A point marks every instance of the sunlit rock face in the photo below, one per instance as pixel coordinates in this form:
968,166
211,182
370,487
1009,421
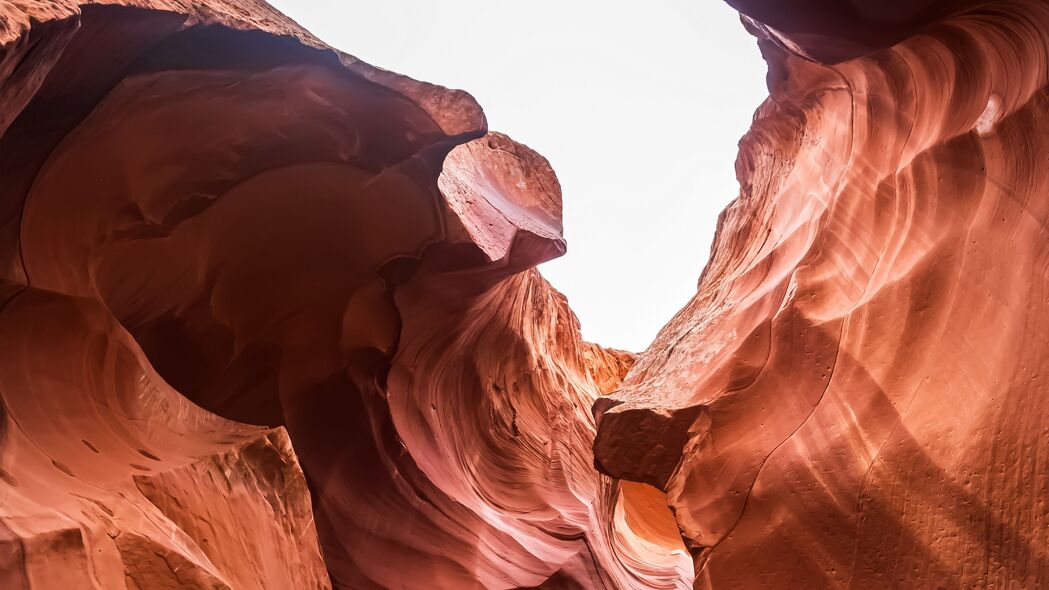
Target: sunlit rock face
270,319
856,395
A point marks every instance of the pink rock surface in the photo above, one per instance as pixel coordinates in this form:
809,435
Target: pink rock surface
85,419
854,397
280,235
269,318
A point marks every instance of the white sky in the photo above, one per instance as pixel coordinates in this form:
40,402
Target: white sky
637,105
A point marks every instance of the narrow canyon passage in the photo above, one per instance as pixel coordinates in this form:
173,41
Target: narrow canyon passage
270,318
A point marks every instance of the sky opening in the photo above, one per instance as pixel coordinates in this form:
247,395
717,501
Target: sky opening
638,106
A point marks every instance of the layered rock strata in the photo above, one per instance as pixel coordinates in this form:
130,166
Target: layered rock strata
855,397
229,251
270,319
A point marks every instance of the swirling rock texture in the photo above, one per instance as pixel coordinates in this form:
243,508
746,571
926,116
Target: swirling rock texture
856,396
270,319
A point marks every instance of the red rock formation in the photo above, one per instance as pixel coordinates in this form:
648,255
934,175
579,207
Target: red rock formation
85,417
208,219
855,397
227,251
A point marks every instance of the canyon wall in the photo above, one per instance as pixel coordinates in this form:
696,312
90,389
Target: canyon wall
856,396
269,318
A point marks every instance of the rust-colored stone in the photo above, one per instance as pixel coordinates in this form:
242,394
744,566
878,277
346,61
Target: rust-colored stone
269,318
860,372
206,212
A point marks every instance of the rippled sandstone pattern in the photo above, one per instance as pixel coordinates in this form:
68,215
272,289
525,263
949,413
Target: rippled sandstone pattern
269,319
856,396
211,221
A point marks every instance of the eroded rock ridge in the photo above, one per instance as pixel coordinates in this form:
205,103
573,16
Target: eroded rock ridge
269,318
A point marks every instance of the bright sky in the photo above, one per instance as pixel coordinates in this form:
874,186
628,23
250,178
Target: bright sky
637,105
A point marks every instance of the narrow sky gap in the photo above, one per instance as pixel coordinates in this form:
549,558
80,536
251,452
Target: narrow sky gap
638,107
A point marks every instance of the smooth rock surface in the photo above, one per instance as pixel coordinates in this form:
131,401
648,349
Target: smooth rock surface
855,397
231,225
269,318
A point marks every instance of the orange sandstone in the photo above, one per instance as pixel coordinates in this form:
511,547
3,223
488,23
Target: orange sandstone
269,318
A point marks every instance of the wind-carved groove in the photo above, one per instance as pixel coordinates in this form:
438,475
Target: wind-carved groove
361,279
952,115
757,472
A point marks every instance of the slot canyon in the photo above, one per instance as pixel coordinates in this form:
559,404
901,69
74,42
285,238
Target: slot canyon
270,319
